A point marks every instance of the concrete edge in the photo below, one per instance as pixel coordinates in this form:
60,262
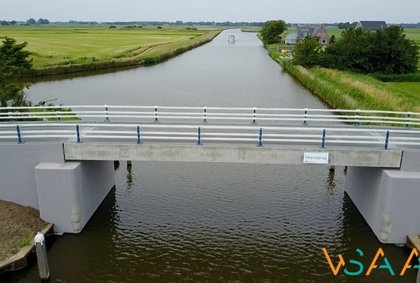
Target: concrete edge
19,260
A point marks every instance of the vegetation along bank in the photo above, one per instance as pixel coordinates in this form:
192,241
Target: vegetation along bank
59,50
360,69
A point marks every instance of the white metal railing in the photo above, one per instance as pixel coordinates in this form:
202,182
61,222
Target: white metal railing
210,134
205,125
145,114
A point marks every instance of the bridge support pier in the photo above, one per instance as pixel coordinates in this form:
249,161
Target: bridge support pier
388,199
69,193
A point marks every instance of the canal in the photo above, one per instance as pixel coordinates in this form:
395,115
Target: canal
202,222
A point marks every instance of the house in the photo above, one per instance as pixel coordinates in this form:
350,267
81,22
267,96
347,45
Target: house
304,31
371,25
291,38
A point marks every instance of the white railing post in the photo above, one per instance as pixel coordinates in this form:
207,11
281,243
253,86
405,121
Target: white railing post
57,113
156,114
9,112
305,116
357,123
106,113
408,120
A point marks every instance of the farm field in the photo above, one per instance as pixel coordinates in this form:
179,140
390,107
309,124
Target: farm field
58,48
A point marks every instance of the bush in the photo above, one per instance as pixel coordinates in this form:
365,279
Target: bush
398,78
385,51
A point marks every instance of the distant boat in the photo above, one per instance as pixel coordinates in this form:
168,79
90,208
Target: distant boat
231,38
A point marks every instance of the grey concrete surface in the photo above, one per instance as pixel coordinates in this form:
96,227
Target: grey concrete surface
229,153
17,163
388,200
70,193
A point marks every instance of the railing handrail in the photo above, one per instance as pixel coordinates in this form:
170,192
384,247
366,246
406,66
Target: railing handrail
203,114
105,123
210,108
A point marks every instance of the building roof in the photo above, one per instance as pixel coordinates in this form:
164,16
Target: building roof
292,36
304,31
373,25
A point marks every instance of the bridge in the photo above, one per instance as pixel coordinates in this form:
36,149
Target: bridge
78,143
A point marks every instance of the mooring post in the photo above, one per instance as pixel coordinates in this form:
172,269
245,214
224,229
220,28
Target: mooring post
41,256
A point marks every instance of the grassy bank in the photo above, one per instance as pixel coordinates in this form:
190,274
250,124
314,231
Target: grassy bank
58,50
348,90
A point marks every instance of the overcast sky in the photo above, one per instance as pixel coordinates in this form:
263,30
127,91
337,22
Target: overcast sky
216,10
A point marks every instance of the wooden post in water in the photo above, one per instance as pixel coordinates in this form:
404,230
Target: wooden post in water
41,256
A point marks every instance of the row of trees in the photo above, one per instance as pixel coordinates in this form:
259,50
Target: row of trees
14,63
40,21
385,51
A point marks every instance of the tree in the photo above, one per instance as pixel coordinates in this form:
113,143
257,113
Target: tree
351,51
31,21
307,52
392,52
272,30
42,21
384,51
14,62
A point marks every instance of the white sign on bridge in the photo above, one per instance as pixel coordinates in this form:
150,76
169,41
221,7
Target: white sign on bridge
316,157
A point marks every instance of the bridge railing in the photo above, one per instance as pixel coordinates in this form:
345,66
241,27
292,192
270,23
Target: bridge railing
197,115
209,134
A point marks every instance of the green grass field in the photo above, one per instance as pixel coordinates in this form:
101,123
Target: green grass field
55,47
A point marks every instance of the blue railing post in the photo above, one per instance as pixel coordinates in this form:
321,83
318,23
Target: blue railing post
254,121
138,135
78,133
19,134
305,116
324,136
156,115
106,113
408,120
199,140
387,140
260,143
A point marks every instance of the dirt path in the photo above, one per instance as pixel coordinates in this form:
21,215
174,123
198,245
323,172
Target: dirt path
18,224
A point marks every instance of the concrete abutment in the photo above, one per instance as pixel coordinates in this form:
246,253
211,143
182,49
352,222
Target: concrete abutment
388,199
69,193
